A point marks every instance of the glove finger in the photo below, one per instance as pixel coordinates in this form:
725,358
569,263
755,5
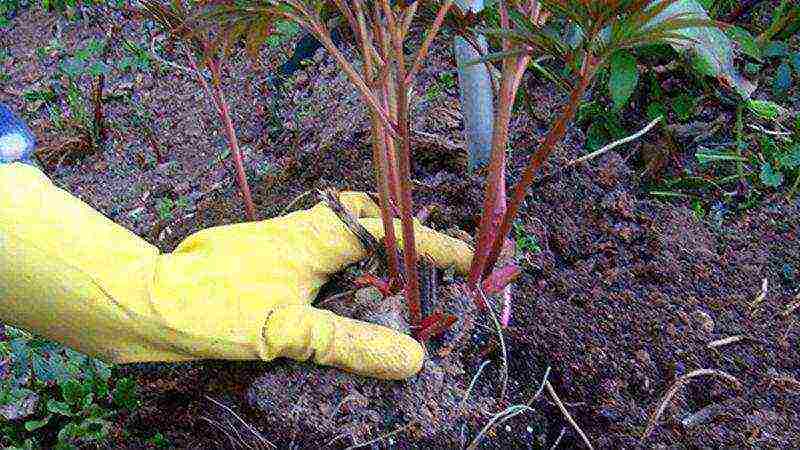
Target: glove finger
303,332
359,204
445,250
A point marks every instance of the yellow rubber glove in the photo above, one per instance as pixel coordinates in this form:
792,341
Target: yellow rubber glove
233,292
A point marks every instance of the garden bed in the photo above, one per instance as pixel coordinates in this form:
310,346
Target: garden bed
622,294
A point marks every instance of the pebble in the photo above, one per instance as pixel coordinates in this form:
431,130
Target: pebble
705,320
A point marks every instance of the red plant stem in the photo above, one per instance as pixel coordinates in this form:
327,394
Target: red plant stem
383,172
371,280
499,279
404,173
494,197
432,32
233,142
554,136
391,151
382,175
99,122
434,325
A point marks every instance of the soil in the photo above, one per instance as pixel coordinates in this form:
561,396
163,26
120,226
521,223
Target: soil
625,295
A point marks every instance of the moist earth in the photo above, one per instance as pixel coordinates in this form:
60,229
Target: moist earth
622,295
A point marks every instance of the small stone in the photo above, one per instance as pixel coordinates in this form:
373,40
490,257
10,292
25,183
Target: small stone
705,321
643,357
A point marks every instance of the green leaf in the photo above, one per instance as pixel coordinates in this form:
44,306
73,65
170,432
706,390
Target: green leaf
42,369
57,407
791,160
102,370
95,46
683,105
766,109
770,177
125,394
656,109
708,44
776,49
99,68
87,401
73,392
746,41
623,79
704,156
783,79
73,67
20,357
32,425
795,59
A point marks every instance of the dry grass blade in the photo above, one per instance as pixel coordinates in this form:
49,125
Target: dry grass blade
726,341
261,439
509,412
567,415
616,144
761,295
286,209
380,438
471,385
651,425
499,330
558,439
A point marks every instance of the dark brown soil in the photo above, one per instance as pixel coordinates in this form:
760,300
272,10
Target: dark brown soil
623,297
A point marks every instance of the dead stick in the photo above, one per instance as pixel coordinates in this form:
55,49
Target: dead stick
567,415
615,144
651,425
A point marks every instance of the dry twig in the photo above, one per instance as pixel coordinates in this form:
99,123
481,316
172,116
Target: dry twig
674,389
567,415
615,144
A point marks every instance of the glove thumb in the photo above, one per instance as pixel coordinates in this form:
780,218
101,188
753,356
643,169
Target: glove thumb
301,332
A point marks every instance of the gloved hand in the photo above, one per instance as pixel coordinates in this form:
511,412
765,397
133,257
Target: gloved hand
233,292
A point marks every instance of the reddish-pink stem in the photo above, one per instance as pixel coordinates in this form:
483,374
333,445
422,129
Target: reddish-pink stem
233,142
555,135
382,175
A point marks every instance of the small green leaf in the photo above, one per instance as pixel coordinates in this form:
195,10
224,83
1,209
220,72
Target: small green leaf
746,41
99,68
656,109
87,401
125,394
73,392
57,407
791,160
752,68
770,177
683,105
623,78
766,109
73,67
704,156
783,79
32,425
776,49
795,59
